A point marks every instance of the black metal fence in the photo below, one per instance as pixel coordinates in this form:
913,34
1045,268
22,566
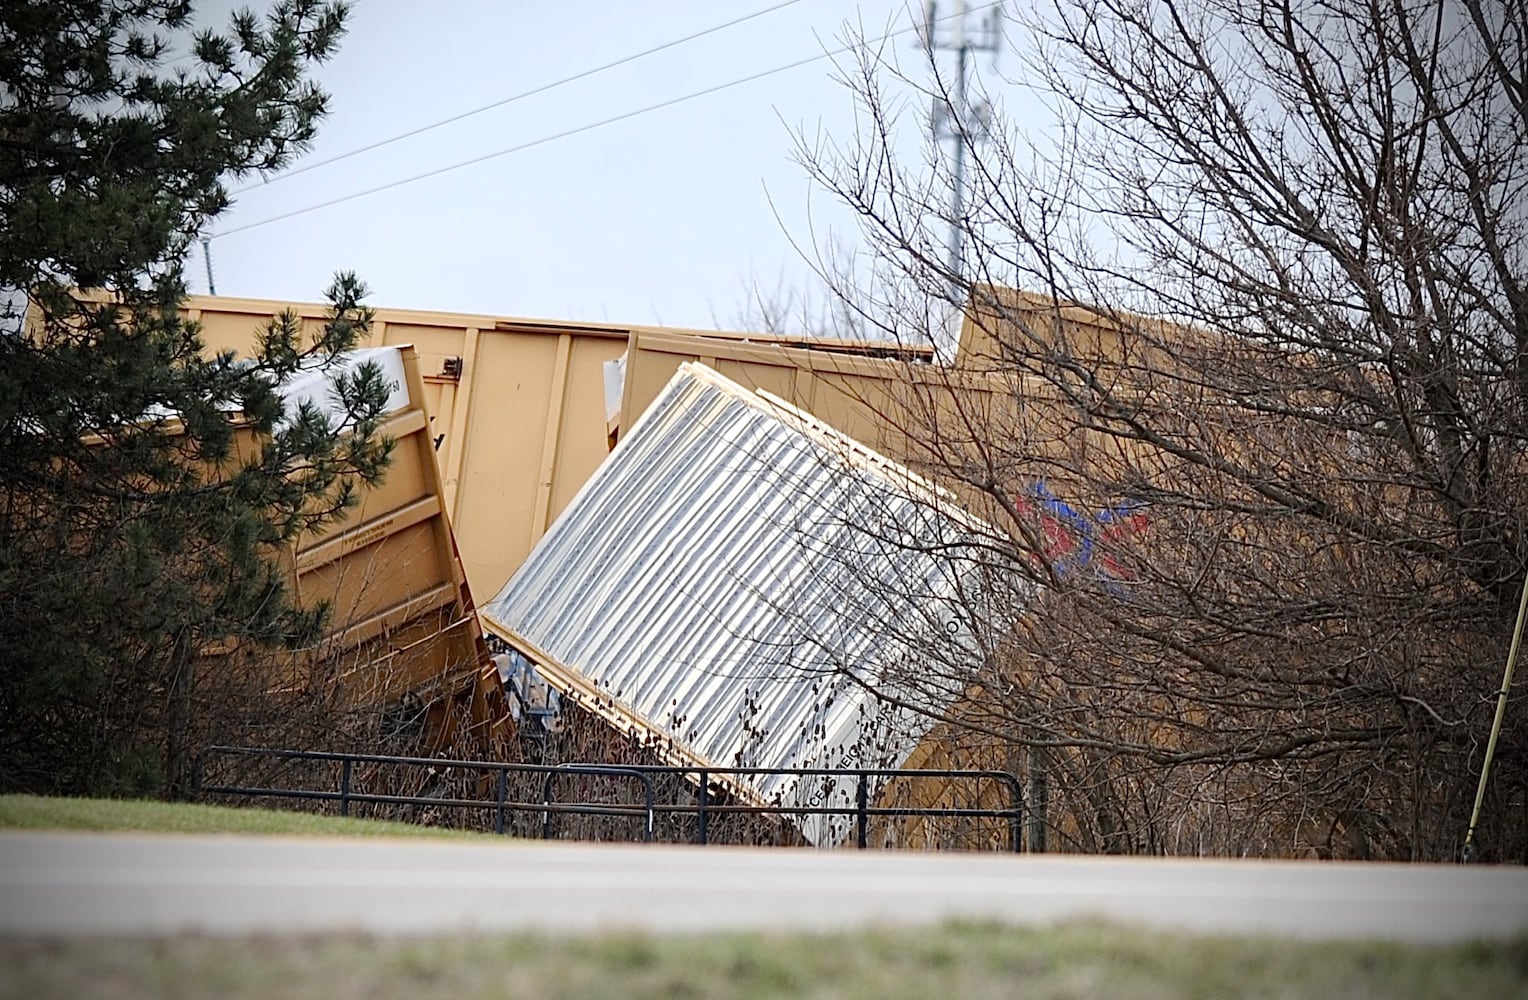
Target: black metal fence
497,791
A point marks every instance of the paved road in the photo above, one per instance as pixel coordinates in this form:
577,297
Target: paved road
112,883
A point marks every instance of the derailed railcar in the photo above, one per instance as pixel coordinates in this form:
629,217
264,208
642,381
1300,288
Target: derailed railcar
753,589
403,636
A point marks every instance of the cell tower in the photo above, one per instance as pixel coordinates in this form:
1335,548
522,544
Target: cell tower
212,288
956,118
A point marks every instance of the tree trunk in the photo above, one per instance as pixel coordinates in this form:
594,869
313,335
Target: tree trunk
178,736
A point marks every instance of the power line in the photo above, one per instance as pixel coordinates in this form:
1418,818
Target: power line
520,147
512,99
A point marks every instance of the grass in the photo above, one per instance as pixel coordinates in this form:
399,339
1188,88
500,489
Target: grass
32,812
954,961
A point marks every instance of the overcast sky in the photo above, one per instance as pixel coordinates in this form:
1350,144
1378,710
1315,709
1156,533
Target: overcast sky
667,217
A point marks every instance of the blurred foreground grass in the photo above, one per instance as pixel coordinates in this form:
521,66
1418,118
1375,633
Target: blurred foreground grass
952,962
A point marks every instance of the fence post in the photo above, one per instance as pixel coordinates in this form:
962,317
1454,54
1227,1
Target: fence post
701,818
1038,798
503,793
647,826
861,803
1016,814
345,786
546,803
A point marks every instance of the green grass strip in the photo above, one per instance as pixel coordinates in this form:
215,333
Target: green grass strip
33,812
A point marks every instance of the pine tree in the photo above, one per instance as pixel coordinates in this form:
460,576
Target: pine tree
136,531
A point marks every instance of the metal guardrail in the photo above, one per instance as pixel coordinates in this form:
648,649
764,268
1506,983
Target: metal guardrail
704,809
861,811
345,795
560,769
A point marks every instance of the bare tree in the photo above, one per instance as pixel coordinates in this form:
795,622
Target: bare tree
1256,428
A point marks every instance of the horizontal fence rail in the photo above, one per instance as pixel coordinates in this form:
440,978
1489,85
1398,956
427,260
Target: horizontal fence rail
707,805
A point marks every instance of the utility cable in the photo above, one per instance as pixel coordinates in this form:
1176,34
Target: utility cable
1501,711
520,147
511,99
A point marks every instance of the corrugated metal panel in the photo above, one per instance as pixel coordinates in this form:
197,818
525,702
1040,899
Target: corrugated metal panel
733,576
